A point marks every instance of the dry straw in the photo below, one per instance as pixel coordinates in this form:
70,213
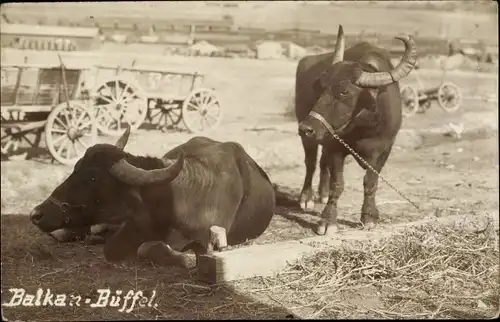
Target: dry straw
429,272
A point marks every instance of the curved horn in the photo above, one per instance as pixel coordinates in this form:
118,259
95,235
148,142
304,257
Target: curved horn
135,176
400,71
338,56
122,141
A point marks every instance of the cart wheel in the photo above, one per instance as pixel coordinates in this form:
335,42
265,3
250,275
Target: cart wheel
425,106
119,102
449,97
70,131
409,97
201,111
165,114
10,144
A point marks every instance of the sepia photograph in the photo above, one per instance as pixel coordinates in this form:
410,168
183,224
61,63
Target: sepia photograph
278,160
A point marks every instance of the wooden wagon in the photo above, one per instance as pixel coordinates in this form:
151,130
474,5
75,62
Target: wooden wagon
417,99
44,99
161,97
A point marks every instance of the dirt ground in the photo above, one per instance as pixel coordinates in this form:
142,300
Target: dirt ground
444,175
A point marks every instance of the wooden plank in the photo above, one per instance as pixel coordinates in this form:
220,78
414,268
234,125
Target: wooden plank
267,260
25,127
26,108
165,96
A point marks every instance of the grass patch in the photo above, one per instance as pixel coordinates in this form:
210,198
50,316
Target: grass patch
32,260
429,272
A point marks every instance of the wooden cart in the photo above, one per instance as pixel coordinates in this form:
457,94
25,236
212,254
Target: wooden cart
44,98
418,99
164,98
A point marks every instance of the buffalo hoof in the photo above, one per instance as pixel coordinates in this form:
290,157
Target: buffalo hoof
177,258
324,200
369,222
307,205
63,235
325,228
98,229
161,254
369,225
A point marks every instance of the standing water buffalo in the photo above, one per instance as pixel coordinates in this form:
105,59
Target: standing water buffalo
355,95
197,185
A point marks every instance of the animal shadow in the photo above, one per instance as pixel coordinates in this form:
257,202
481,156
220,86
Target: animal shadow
288,198
350,224
28,153
297,218
288,207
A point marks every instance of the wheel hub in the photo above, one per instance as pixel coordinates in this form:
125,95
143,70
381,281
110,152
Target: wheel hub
73,133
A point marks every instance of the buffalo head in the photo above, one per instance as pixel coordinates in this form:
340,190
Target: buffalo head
103,183
346,89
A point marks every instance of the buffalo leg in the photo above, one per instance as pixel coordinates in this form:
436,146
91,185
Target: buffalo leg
324,177
65,235
311,156
369,210
162,254
328,222
100,233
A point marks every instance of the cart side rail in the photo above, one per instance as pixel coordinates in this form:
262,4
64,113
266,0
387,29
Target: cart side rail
148,70
42,66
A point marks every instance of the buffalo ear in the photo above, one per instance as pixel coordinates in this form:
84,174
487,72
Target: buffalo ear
368,100
123,243
321,83
133,231
318,86
140,215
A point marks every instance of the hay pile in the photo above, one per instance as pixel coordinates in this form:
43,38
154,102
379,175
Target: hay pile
430,272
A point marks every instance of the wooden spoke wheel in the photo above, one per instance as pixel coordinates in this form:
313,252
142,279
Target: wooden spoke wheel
13,137
449,97
201,111
409,98
119,102
165,114
10,143
425,106
70,131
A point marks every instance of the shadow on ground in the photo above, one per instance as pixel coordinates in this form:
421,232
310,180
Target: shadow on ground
32,260
289,208
39,154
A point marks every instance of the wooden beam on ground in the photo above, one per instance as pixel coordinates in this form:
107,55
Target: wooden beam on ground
267,260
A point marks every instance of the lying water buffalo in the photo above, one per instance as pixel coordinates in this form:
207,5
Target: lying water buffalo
197,185
355,95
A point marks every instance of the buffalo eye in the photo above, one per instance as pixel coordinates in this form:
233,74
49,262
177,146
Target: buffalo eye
344,92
